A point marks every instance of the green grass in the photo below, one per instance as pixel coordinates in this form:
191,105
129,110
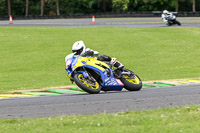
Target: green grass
173,120
33,57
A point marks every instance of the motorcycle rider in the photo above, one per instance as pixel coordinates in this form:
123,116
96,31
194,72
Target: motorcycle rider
165,15
79,48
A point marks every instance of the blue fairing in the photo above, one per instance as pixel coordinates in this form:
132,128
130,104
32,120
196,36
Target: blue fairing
70,67
108,84
84,73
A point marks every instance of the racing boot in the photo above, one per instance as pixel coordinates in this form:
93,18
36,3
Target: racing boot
116,64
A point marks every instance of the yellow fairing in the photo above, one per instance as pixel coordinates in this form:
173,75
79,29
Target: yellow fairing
90,61
69,75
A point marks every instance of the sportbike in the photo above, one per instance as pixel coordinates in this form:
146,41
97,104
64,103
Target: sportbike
171,20
93,76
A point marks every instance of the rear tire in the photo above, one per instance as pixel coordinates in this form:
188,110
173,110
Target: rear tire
87,85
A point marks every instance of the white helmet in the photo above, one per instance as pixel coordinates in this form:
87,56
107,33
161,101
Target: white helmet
165,12
78,47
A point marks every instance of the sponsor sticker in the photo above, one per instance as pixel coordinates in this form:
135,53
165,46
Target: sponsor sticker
68,62
111,81
119,82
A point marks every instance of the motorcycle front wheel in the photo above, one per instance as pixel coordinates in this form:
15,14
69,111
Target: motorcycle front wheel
131,82
177,22
87,85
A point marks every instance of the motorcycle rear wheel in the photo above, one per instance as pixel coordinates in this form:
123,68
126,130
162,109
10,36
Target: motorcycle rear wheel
132,83
86,84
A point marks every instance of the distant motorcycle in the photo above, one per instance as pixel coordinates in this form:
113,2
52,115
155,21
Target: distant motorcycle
171,20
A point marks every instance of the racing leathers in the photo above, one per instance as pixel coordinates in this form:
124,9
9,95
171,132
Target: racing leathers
104,58
166,16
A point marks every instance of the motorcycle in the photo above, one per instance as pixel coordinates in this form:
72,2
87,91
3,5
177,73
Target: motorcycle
93,76
171,20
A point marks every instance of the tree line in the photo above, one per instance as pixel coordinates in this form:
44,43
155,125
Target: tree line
74,7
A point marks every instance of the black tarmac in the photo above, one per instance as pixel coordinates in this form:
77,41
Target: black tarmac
102,22
109,102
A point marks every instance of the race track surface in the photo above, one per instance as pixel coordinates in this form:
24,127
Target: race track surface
108,102
103,22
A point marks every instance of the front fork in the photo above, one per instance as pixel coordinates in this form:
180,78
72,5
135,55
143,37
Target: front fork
87,75
119,73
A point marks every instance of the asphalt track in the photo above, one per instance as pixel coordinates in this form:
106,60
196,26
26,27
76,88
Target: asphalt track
103,22
109,102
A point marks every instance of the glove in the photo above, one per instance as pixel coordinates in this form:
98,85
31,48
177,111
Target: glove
104,58
88,53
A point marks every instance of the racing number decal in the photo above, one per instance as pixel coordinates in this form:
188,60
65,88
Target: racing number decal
68,62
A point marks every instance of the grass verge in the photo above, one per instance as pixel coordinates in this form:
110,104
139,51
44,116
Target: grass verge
170,120
33,57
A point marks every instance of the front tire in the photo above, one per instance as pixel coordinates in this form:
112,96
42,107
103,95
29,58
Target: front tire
132,83
87,85
178,23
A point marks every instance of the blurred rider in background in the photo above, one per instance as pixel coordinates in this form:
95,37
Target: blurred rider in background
80,49
165,15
